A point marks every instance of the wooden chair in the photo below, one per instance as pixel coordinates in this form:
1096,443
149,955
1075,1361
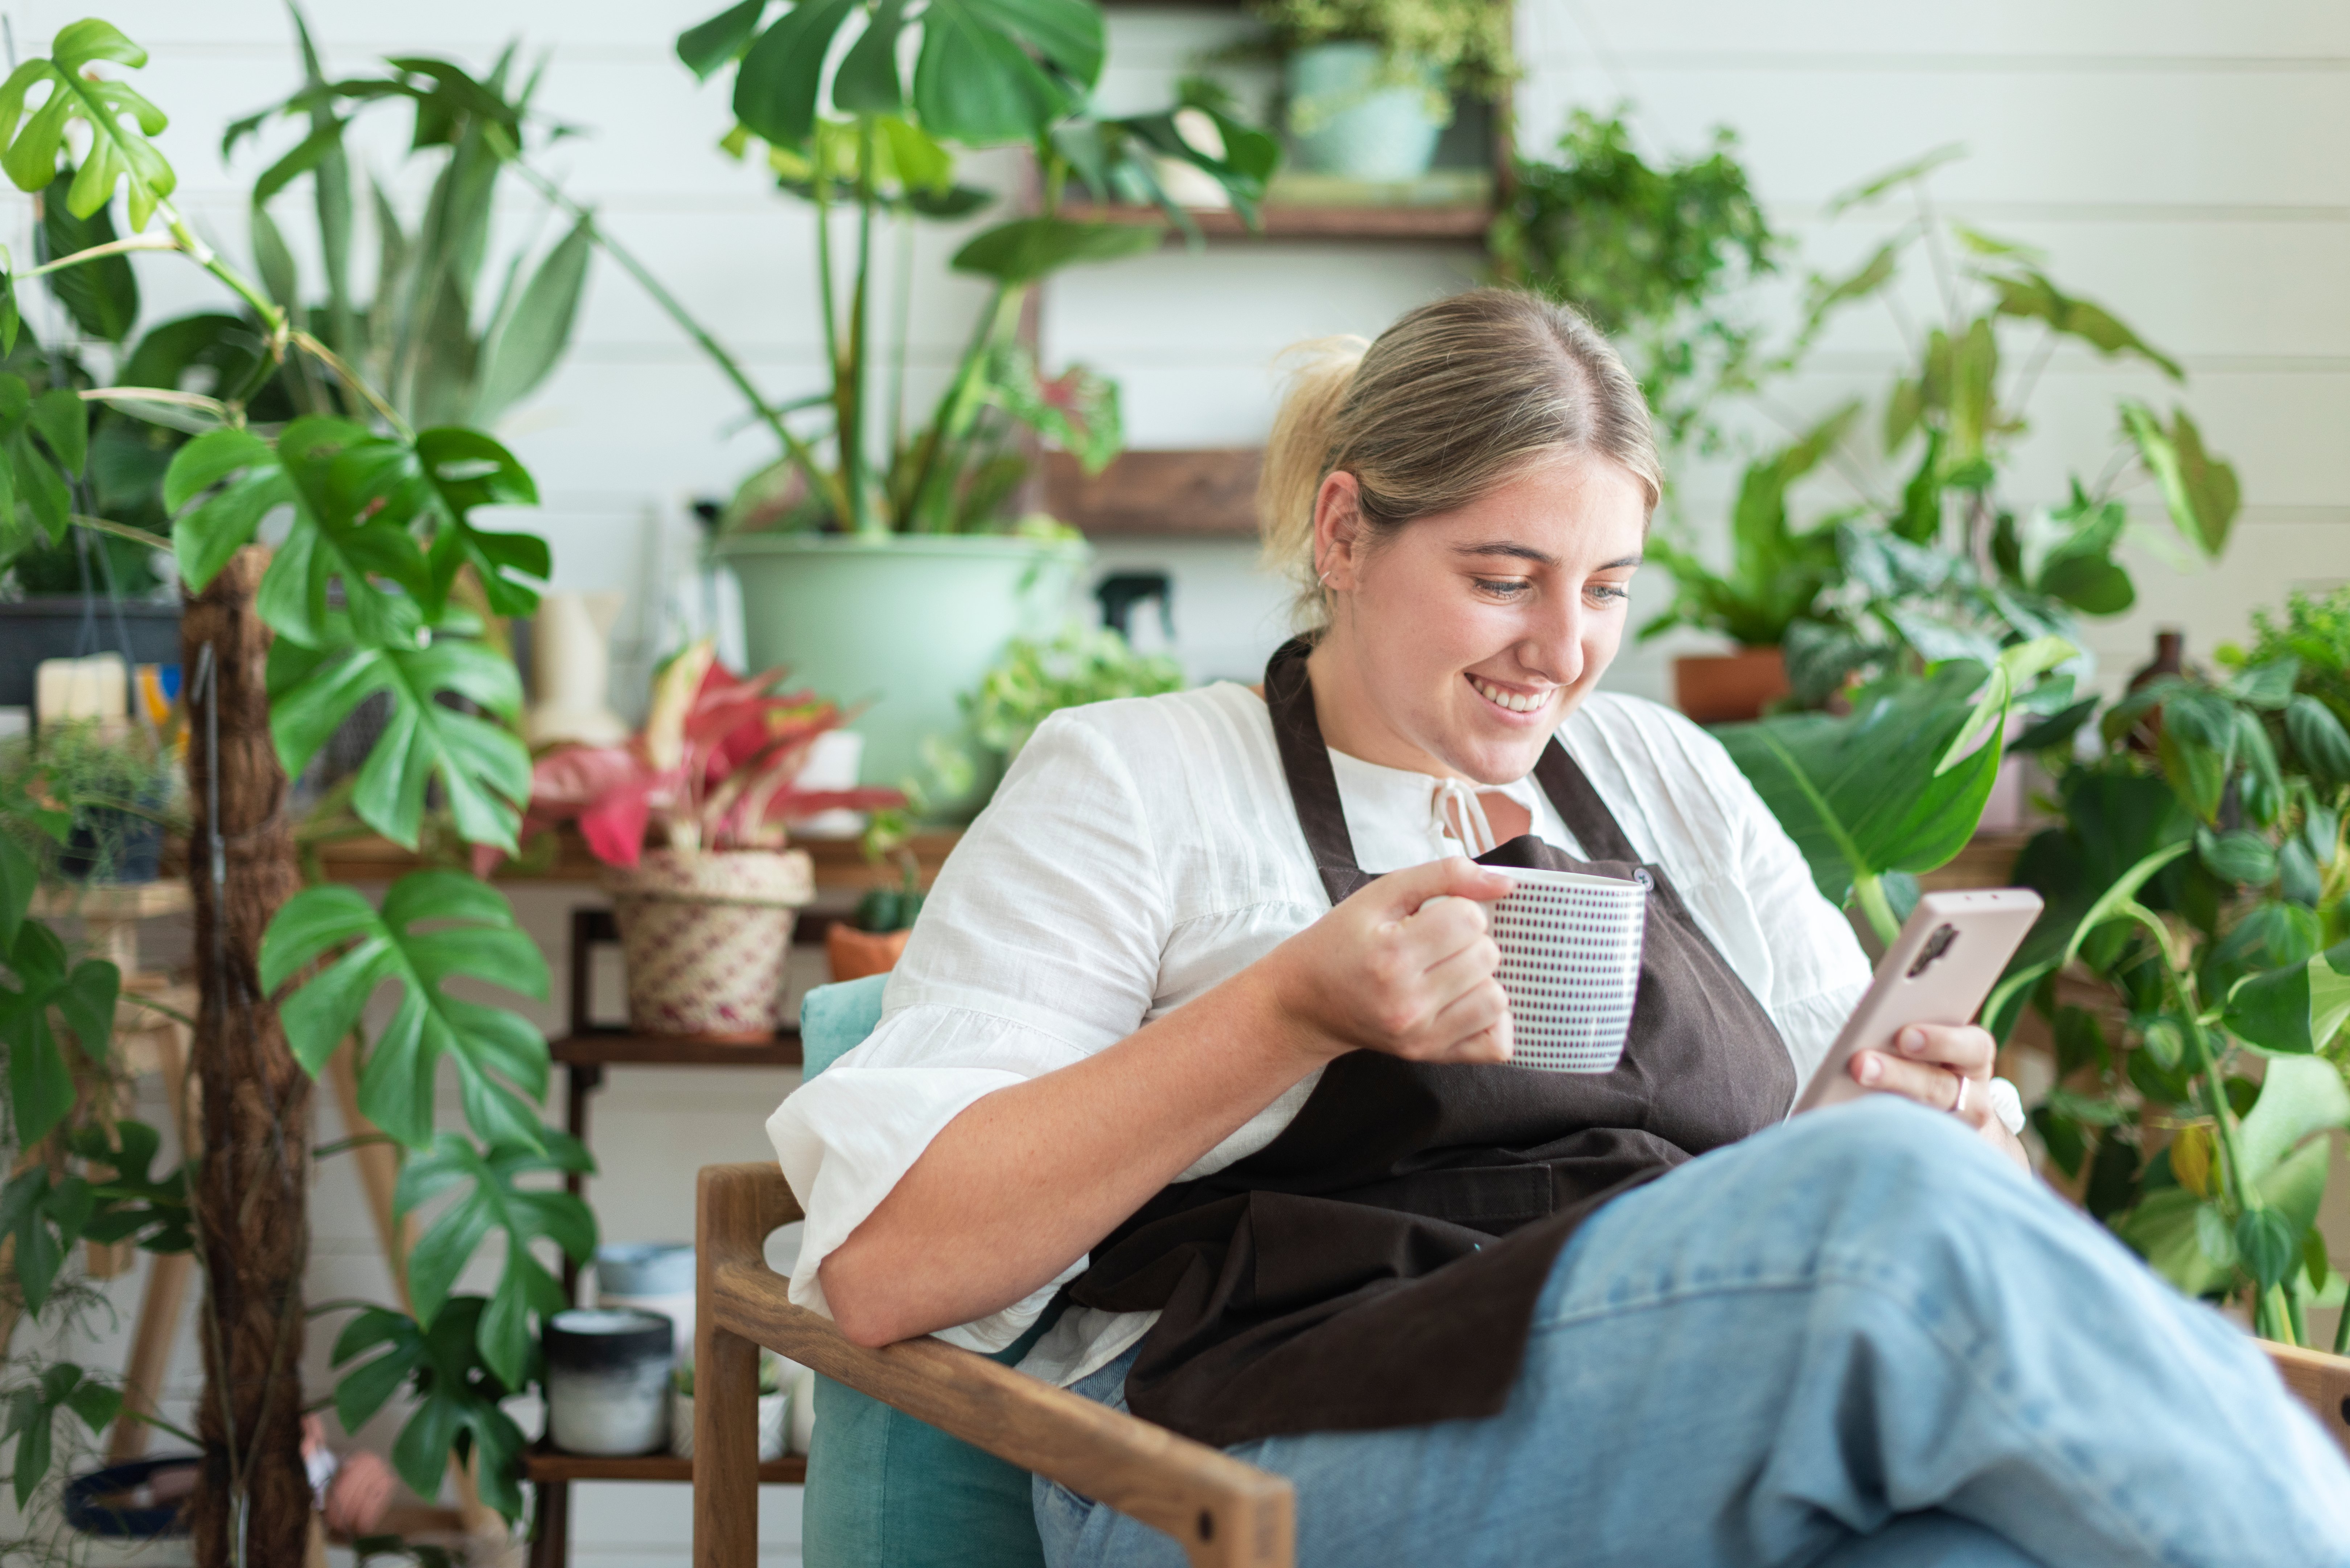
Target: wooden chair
1226,1515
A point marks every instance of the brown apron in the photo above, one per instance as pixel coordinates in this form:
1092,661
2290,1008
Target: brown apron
1378,1263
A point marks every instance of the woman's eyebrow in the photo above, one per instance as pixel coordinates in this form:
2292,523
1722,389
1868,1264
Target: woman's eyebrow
1540,557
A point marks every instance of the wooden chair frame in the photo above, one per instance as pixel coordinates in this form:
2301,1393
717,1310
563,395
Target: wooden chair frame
1224,1513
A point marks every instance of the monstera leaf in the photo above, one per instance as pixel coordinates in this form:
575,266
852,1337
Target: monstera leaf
119,151
472,932
457,1397
1896,787
496,1203
987,72
484,769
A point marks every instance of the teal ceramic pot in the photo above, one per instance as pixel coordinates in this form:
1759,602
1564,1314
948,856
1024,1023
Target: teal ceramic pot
900,626
1342,122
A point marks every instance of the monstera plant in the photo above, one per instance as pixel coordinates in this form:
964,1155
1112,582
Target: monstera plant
374,592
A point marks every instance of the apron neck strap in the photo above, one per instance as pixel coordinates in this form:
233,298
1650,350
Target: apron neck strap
1305,761
1579,806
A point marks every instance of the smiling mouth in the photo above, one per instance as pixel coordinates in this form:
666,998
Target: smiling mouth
1510,701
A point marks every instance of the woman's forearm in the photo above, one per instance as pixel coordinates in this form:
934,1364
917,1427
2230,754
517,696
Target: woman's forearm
1029,1178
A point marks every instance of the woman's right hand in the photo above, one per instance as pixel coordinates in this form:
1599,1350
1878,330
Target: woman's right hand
1405,966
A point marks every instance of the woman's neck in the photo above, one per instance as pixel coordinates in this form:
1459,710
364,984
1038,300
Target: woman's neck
1352,720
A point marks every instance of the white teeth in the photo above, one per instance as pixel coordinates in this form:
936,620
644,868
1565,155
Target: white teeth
1514,702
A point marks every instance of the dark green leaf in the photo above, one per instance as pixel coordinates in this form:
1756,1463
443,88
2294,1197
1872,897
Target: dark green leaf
1862,794
1027,249
867,81
482,767
2239,858
472,932
709,45
494,1203
2297,1009
206,535
976,80
2266,1245
776,86
62,419
2318,736
101,295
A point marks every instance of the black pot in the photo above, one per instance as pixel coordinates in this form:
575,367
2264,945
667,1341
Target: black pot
87,1508
38,628
138,846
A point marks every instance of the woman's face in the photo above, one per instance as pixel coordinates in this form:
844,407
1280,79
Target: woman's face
1462,640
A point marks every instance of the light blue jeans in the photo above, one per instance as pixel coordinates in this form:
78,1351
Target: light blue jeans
1859,1340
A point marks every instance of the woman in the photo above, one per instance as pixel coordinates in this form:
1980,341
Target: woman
1194,1074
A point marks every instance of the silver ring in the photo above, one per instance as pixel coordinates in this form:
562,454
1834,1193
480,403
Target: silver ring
1959,1105
2007,1104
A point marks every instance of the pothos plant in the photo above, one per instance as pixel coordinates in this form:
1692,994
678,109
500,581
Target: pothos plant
367,595
2193,966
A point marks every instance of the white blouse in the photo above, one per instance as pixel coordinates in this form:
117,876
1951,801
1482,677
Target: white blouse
1142,851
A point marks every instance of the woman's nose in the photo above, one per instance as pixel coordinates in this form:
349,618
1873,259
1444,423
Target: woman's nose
1555,648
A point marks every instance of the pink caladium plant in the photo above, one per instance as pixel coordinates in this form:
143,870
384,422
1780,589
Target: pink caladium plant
714,768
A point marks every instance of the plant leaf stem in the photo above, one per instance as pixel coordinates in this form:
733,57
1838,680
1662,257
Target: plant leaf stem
853,368
2272,1318
959,405
149,241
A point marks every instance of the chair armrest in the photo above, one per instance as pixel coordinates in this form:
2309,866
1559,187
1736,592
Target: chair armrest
2320,1381
1222,1512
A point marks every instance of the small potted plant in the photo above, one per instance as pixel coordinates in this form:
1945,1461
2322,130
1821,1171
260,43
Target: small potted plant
119,784
688,820
1370,83
1777,577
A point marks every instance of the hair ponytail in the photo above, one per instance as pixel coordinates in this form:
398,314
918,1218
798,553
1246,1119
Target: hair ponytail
1454,399
1319,373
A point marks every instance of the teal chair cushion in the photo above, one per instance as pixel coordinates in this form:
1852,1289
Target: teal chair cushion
885,1491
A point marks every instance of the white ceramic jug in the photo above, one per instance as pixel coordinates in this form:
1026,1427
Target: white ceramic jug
571,668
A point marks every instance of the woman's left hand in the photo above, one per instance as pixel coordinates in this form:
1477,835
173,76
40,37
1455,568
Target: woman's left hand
1944,1067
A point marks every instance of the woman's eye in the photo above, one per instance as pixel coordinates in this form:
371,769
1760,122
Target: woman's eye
1607,593
1503,588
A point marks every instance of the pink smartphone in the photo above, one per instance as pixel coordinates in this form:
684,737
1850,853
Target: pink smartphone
1939,969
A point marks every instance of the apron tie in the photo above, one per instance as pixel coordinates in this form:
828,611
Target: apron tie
1460,815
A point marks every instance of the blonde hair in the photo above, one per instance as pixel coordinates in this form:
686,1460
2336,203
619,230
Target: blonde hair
1454,399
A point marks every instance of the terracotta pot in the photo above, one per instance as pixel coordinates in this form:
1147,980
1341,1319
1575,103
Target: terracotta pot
853,954
705,935
1729,688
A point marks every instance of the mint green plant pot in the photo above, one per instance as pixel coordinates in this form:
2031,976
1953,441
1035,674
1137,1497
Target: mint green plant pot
900,626
1342,122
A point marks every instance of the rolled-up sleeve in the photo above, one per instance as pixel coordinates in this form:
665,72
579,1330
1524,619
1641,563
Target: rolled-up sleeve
1039,945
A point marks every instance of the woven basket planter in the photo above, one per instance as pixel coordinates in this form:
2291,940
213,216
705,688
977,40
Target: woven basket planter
705,935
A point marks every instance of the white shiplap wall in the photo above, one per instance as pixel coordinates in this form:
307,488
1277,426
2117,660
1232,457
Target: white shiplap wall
2180,161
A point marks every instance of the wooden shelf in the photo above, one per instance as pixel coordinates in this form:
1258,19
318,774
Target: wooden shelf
541,1463
840,864
1295,221
1206,493
115,900
620,1048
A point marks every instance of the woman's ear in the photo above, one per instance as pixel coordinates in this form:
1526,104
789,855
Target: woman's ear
1337,529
